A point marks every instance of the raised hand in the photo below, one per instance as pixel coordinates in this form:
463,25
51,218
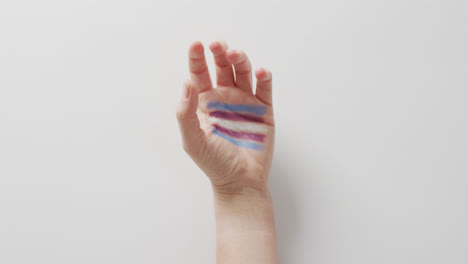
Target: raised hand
228,130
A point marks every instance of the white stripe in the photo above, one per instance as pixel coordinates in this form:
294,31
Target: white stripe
240,125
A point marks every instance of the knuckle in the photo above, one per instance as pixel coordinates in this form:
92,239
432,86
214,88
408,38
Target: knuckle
180,114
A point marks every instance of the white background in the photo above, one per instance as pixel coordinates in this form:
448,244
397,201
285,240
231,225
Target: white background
371,160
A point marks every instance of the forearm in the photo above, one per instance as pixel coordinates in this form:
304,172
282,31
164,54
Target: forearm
245,227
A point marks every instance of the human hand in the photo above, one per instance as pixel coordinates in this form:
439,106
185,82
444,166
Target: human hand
228,130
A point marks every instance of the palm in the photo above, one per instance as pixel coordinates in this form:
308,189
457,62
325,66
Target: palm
237,144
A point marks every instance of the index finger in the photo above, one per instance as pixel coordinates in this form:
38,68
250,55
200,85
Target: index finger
198,68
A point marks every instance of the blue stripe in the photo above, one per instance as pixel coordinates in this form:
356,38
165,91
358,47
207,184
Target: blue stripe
240,143
253,109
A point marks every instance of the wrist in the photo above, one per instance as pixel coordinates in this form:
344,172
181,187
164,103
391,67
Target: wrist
245,226
245,210
241,189
242,184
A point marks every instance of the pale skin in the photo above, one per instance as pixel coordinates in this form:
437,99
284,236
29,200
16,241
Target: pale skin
245,224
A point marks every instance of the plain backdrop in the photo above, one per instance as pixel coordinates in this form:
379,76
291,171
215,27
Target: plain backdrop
371,158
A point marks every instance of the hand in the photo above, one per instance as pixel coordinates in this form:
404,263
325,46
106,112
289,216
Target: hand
228,130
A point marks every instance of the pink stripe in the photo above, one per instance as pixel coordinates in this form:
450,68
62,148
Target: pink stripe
236,116
239,134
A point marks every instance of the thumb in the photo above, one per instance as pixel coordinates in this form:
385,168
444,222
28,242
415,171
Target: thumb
193,137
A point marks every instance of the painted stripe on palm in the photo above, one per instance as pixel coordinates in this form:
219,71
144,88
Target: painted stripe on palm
240,134
258,110
242,125
240,143
236,116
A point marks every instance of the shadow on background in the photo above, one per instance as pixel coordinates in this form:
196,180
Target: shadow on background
285,185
